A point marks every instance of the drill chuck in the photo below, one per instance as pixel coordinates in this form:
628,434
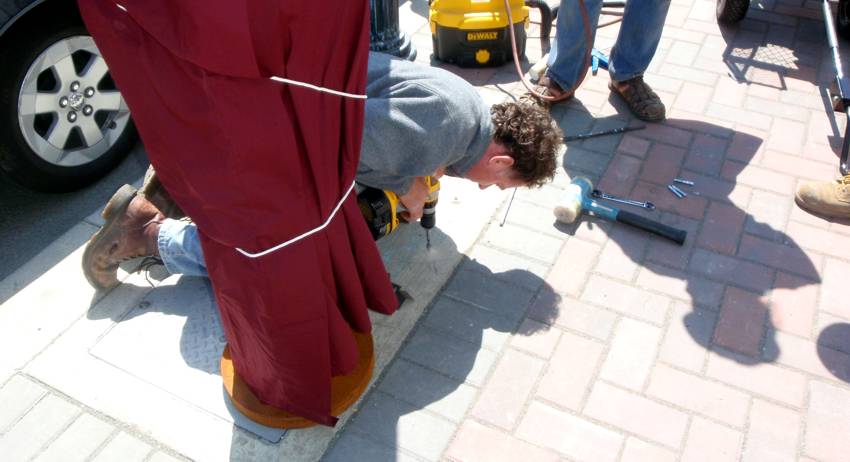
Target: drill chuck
429,217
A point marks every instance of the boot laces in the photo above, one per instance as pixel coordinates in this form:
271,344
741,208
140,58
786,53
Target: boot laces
146,264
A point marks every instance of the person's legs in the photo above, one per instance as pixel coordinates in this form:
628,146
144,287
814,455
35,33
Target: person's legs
640,32
180,248
566,57
643,21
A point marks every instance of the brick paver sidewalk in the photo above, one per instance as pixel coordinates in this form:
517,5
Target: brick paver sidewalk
590,342
595,342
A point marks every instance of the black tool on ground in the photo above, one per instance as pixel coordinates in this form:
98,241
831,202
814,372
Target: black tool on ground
613,131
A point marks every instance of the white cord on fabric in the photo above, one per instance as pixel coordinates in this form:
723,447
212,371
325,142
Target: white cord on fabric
298,238
317,88
344,197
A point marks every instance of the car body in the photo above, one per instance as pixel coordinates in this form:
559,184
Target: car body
63,122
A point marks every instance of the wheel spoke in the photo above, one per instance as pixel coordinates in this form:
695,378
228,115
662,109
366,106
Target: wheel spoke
59,133
91,131
37,103
95,70
65,71
106,101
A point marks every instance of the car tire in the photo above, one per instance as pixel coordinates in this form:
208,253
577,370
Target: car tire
40,146
731,11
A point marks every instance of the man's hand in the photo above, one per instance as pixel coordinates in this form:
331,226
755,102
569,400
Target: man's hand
414,199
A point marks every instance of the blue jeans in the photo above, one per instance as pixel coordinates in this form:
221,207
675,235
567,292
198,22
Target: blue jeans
180,248
636,43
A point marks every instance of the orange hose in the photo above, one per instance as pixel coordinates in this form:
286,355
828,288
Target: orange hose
587,55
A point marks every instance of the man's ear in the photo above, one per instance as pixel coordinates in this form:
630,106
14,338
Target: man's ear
502,161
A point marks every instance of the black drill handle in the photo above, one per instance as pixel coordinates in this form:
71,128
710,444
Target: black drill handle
674,234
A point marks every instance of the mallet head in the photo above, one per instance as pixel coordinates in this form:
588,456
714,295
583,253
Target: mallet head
573,200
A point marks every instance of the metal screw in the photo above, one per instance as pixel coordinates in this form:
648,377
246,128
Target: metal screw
89,92
681,181
676,191
87,110
63,102
72,116
75,86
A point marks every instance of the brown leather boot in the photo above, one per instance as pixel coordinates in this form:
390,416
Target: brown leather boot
130,231
153,191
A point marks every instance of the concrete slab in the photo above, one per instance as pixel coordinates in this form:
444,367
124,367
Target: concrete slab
149,356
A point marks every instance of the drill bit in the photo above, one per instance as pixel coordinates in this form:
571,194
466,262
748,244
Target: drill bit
508,208
428,239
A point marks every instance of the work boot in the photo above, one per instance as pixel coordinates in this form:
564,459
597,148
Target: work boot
644,103
130,231
828,198
153,191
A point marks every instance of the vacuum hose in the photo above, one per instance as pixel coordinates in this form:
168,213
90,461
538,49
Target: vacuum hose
545,16
587,55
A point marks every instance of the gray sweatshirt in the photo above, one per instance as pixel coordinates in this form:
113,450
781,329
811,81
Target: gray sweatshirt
419,118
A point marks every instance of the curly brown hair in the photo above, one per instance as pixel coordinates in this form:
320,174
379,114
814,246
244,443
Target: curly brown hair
532,138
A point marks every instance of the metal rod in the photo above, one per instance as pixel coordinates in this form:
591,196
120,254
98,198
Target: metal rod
613,131
676,192
679,191
508,209
842,166
840,82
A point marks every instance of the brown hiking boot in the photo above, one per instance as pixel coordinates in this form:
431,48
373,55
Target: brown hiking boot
153,191
130,231
644,103
829,198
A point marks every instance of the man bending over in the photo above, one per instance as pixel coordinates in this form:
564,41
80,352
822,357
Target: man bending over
419,121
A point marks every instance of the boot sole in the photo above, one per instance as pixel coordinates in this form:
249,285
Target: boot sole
115,208
838,212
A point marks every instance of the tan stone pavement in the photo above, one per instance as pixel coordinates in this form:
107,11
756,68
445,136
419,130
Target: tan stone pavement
625,347
589,342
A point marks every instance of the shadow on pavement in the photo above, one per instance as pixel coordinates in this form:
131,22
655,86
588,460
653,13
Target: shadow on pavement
455,342
835,337
451,351
732,263
778,57
30,221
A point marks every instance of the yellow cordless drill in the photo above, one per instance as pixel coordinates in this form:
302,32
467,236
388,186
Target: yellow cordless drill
381,209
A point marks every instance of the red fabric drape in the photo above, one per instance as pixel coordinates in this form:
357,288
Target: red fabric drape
254,163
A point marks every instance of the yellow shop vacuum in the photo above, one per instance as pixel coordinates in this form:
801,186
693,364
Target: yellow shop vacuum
474,33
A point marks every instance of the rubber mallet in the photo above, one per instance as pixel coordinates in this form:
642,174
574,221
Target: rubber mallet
577,200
